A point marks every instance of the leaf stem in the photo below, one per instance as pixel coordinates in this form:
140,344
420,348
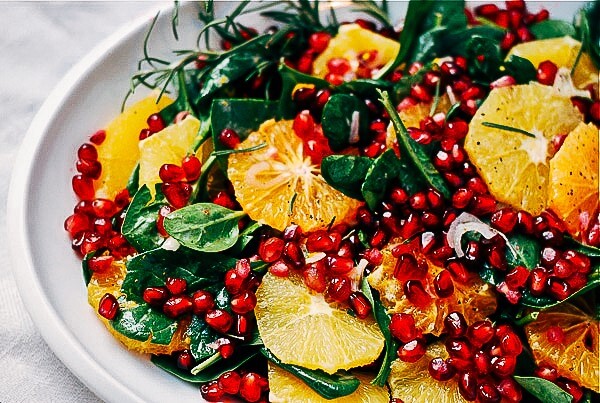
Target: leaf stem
206,363
436,99
509,129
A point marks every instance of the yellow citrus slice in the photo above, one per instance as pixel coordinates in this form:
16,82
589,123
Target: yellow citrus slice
412,383
110,282
576,358
285,387
301,328
475,299
169,146
573,186
118,154
350,41
562,52
276,185
514,165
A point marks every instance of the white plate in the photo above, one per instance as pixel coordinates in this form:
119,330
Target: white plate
48,273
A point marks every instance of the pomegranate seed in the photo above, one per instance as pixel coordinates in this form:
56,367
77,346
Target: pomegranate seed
243,303
314,276
504,366
144,134
271,249
338,66
418,201
555,335
108,306
223,199
483,205
155,123
504,81
595,112
563,269
459,348
443,284
304,95
472,252
412,226
459,364
100,264
455,324
412,351
406,103
461,198
558,289
549,257
243,325
171,173
155,296
226,350
467,385
104,208
319,41
487,10
510,390
360,304
252,386
87,152
537,281
578,260
421,93
77,223
185,360
90,169
293,254
321,99
546,372
234,281
450,69
219,320
458,271
497,257
402,327
440,370
191,166
482,362
177,194
175,307
487,392
98,137
230,382
517,277
504,220
339,289
280,268
416,294
573,389
524,34
175,285
408,268
304,125
456,129
373,256
480,332
229,138
92,242
211,392
83,187
509,342
340,265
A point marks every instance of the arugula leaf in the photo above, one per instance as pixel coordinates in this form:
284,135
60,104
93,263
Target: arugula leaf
151,269
340,114
142,323
346,173
382,172
205,227
412,154
552,29
544,390
328,386
139,225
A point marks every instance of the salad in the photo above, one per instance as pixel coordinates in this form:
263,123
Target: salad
355,210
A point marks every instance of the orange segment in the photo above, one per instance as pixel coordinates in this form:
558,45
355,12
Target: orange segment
578,357
412,383
475,299
573,187
514,165
301,328
110,282
276,185
118,154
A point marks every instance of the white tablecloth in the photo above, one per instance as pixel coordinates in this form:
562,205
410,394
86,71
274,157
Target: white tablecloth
39,42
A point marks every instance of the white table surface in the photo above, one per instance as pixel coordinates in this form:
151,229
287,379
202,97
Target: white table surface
39,43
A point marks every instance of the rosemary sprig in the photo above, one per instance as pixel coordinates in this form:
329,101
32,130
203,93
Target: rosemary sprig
508,129
379,12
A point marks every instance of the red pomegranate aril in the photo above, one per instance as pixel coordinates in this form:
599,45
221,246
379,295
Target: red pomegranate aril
482,361
293,253
483,205
525,222
443,284
360,304
402,327
472,252
421,93
558,289
223,199
412,351
144,134
338,65
373,256
418,201
379,239
504,366
473,92
497,257
420,136
77,223
406,103
459,364
440,370
549,257
339,289
98,137
334,79
211,392
87,152
504,220
177,194
108,306
538,278
487,393
504,81
555,335
459,348
104,208
450,69
251,387
412,226
176,285
321,98
280,268
434,199
319,241
546,372
103,226
441,254
243,303
416,294
314,276
595,112
304,125
563,269
185,360
580,261
177,306
524,34
510,390
271,249
305,62
467,385
233,281
319,41
455,324
243,325
546,72
155,296
229,138
83,187
408,268
461,198
340,265
155,123
92,241
456,129
480,332
192,167
459,271
230,382
90,169
510,343
219,320
100,264
517,277
171,173
488,11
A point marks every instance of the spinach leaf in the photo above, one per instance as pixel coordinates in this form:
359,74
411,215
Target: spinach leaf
544,390
133,183
588,250
552,29
486,63
382,172
205,227
201,335
87,273
211,373
522,250
328,386
142,323
366,88
346,173
491,275
521,69
391,345
413,155
290,78
139,225
343,114
590,31
245,237
151,269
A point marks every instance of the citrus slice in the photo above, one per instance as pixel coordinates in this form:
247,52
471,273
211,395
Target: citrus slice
475,299
285,387
411,382
573,188
352,40
515,165
168,146
110,282
562,52
577,358
118,154
301,328
276,185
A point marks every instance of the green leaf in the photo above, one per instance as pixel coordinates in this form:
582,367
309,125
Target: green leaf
382,172
245,237
552,29
87,273
290,78
201,335
522,250
346,173
418,166
143,323
590,251
211,373
590,30
134,180
326,385
151,269
521,69
544,390
491,275
342,114
205,227
139,225
366,88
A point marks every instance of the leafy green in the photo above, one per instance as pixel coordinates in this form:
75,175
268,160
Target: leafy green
205,227
544,390
346,173
134,180
522,70
589,30
522,250
340,114
577,246
552,29
201,335
486,63
382,172
245,237
290,78
139,225
142,323
87,273
328,386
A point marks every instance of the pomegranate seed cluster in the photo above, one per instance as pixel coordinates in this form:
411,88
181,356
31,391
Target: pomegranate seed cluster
250,386
176,181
